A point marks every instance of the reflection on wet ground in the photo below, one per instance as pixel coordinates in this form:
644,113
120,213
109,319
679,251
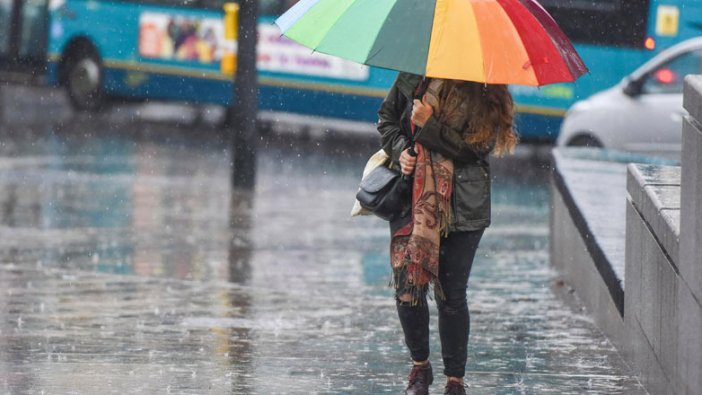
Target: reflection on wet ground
128,265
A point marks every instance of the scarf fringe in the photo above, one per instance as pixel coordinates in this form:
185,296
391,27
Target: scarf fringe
417,292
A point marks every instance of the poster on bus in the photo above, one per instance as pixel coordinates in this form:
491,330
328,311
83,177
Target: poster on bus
180,38
174,37
281,55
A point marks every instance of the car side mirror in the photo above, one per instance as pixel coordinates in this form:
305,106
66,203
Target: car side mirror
633,87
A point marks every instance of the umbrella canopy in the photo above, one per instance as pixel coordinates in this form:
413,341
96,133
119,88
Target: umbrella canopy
490,41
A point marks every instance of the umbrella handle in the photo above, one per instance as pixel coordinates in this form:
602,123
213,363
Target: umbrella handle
411,151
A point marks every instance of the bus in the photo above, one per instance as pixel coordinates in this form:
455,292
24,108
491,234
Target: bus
177,50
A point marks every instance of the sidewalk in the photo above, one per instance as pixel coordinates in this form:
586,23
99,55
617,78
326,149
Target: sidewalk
120,273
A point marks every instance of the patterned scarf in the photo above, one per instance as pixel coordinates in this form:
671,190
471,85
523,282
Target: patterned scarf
415,246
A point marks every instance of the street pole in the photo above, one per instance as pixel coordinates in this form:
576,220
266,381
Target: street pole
244,108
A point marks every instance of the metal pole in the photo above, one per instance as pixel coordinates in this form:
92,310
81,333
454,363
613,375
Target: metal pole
244,109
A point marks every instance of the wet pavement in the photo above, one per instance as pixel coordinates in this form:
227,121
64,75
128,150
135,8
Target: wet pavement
129,265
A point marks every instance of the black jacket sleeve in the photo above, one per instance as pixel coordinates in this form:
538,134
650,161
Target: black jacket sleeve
392,138
449,142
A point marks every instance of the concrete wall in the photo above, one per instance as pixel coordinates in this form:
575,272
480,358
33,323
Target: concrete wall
650,306
689,292
663,313
577,267
660,332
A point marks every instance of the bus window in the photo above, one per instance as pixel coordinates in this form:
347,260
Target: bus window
34,24
213,4
171,3
618,23
265,7
178,3
5,26
273,7
287,4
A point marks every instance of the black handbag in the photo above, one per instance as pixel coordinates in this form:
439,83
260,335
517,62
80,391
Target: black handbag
386,192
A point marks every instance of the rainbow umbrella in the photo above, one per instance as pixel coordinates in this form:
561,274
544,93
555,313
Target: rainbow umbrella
490,41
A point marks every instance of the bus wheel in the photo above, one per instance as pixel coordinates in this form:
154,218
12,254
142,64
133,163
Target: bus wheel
83,81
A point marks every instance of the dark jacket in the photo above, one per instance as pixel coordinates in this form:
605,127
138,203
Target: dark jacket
470,202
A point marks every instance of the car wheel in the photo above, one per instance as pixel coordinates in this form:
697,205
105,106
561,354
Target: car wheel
585,141
83,80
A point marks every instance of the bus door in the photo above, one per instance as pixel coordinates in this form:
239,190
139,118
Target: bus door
24,26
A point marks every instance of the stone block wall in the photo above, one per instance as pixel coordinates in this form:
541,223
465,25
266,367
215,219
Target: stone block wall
650,306
656,319
689,292
663,293
577,267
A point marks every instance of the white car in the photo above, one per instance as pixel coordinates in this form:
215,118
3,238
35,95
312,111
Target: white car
641,114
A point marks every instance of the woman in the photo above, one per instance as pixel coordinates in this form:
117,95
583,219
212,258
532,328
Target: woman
455,126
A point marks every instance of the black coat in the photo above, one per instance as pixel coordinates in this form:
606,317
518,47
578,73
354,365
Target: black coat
470,201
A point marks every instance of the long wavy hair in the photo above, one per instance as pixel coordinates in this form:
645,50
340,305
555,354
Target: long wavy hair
491,124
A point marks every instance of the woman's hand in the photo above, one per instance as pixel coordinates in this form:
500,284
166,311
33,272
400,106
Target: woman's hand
421,112
407,162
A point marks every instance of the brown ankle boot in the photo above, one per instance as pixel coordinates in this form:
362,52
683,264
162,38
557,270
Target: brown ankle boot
420,378
454,388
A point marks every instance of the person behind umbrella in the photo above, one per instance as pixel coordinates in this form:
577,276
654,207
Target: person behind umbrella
456,124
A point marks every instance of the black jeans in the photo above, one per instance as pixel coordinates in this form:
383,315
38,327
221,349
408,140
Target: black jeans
456,259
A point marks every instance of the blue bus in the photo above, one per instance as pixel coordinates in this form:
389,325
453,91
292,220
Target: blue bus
178,50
